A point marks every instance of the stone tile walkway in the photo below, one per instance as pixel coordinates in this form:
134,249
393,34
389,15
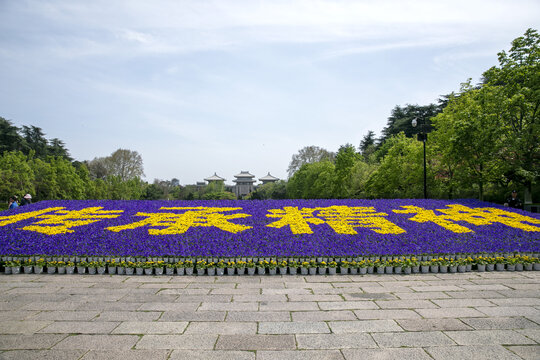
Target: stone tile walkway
426,316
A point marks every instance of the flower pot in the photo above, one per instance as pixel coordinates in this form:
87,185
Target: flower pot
388,269
70,270
462,268
188,271
148,271
241,271
353,271
272,271
490,267
211,271
180,271
322,271
15,270
38,269
158,271
332,271
169,271
415,269
407,270
364,270
312,271
92,270
251,271
443,269
130,271
528,267
511,267
343,270
519,267
220,271
481,267
283,270
62,270
293,270
261,270
468,267
28,269
111,270
200,272
424,269
304,271
139,271
230,271
397,270
536,267
452,269
499,267
101,270
370,269
434,268
80,270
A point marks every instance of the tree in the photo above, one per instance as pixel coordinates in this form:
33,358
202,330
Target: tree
518,77
125,164
368,145
312,181
9,136
16,175
272,190
345,159
34,139
308,155
57,147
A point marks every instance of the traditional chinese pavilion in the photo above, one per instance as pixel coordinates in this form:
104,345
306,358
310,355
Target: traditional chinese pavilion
268,179
214,178
244,183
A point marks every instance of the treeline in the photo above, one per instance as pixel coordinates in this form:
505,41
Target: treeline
482,141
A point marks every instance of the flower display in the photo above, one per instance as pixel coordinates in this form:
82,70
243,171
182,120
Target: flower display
271,228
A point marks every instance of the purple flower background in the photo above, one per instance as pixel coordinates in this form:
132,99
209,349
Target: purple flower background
261,240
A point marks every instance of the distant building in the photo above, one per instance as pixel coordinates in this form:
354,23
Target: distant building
214,178
268,179
244,184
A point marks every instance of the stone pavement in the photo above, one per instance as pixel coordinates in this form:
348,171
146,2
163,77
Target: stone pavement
425,316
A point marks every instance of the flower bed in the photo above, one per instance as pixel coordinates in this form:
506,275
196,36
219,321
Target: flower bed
266,229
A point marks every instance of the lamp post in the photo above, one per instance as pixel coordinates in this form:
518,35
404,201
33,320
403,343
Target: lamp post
422,136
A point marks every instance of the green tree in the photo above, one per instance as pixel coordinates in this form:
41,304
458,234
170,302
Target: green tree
16,175
368,145
34,140
345,160
308,155
9,136
312,181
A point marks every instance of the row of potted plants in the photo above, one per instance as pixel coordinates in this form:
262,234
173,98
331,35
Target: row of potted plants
403,265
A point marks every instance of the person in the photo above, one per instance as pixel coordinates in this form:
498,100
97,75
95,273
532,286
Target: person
13,202
513,201
27,199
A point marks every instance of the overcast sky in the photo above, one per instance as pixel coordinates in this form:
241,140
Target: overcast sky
202,86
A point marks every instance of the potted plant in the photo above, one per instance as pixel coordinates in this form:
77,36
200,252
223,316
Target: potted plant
406,265
481,263
304,268
28,266
70,267
61,266
201,267
111,266
272,265
220,268
211,268
261,267
14,266
500,263
81,267
250,265
322,266
180,267
344,267
101,267
293,267
240,267
92,266
158,267
283,267
188,265
443,264
511,263
397,266
38,267
332,265
388,266
424,266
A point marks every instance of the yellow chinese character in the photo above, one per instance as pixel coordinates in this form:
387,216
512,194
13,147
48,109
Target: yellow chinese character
61,221
475,216
342,219
6,220
295,218
192,217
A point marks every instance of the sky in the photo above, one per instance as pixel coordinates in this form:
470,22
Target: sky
224,86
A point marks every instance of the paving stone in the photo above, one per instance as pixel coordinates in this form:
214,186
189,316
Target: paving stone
300,354
406,304
193,342
209,355
516,302
494,287
193,316
256,342
531,352
386,314
222,328
432,324
258,298
457,303
520,293
98,342
258,316
150,327
19,315
260,286
166,306
530,333
234,306
474,294
29,342
318,297
334,341
369,296
295,327
127,354
13,305
500,323
301,291
204,298
289,306
509,311
428,295
412,339
78,315
348,305
62,305
386,354
148,298
323,315
228,291
128,316
450,313
492,352
42,354
341,327
22,327
489,337
437,288
79,327
109,306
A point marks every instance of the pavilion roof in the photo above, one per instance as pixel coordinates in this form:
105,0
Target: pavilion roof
269,178
214,177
